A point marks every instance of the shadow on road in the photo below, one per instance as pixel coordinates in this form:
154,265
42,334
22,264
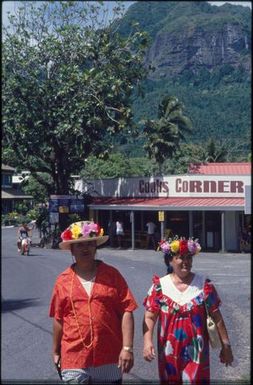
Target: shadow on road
15,304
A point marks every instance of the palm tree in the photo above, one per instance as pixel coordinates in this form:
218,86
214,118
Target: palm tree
214,152
163,135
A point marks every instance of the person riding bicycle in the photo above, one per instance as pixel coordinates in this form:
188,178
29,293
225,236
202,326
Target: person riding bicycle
23,232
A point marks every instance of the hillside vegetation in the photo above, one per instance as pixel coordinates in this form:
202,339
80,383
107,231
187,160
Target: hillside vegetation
217,97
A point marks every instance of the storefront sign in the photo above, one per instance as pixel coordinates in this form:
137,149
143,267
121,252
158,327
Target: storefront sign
173,186
161,216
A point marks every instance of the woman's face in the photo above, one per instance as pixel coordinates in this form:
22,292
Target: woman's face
84,250
182,264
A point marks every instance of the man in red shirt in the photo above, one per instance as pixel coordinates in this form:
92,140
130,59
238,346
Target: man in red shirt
93,326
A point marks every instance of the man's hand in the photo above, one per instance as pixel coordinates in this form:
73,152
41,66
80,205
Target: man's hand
126,361
56,359
57,363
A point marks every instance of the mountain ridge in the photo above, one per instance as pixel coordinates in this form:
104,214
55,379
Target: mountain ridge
193,34
202,54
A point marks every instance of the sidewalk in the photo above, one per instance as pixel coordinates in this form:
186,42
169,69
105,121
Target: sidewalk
153,253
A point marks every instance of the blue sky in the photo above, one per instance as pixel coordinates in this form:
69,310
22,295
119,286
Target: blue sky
12,5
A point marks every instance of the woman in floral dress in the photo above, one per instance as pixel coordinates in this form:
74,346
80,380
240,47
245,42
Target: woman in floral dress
178,302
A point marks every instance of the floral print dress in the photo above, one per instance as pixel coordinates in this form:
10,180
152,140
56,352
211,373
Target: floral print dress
183,346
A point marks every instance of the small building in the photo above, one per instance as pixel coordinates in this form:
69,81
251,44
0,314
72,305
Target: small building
209,203
11,193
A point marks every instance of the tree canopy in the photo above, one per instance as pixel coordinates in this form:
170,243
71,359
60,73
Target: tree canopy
67,82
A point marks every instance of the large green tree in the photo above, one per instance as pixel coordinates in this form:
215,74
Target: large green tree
67,80
163,135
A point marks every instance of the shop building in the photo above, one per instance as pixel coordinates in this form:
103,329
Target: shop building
211,202
12,194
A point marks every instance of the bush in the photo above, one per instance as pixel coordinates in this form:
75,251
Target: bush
14,218
10,219
22,208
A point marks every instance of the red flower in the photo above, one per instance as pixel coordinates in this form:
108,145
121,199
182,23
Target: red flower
183,247
98,229
66,235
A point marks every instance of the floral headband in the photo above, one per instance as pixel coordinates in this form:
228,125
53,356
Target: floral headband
85,229
180,246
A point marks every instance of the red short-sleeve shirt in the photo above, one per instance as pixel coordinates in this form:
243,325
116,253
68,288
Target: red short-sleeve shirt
109,299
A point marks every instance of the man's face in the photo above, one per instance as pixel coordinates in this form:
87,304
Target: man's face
84,249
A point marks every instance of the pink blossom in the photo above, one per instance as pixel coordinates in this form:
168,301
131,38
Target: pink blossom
89,228
165,247
192,247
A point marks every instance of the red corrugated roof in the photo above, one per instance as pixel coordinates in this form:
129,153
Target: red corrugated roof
242,168
170,202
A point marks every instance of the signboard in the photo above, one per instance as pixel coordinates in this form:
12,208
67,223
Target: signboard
161,216
76,205
53,205
66,204
212,186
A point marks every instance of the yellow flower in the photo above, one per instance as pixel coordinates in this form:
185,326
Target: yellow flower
76,231
174,246
101,232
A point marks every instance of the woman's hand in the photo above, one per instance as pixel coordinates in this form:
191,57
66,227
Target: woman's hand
226,355
148,351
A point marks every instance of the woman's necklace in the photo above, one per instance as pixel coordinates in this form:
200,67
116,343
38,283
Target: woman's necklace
89,314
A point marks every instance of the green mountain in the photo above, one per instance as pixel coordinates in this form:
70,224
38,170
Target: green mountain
202,54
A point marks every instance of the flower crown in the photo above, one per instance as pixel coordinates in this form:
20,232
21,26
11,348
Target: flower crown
83,229
179,246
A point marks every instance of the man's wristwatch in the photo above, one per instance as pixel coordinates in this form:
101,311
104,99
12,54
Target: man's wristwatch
128,349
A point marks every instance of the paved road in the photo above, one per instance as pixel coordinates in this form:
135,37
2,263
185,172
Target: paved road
27,283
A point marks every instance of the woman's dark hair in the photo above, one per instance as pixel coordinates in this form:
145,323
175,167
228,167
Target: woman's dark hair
167,259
